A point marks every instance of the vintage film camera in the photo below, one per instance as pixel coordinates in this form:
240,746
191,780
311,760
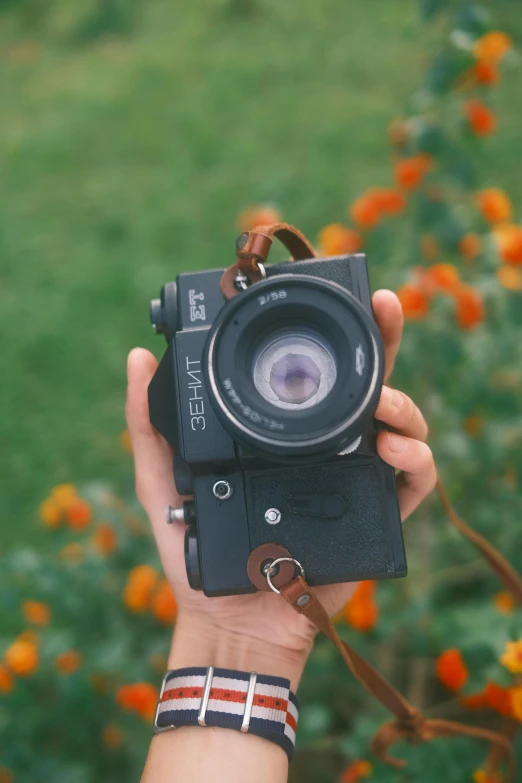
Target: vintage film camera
268,401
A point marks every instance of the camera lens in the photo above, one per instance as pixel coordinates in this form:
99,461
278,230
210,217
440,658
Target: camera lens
294,369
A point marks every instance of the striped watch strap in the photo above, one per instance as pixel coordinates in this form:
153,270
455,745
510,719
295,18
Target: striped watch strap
257,703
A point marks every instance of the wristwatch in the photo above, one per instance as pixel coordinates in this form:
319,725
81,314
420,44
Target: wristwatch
255,703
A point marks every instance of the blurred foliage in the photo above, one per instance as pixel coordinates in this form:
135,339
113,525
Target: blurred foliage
434,230
80,623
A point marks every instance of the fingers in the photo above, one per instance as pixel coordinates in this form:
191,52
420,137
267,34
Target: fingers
152,456
401,413
388,315
415,460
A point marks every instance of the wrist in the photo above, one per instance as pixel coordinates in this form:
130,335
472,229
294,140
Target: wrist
197,642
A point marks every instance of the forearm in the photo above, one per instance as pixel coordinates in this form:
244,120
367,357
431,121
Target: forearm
194,754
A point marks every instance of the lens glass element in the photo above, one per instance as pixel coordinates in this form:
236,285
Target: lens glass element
294,369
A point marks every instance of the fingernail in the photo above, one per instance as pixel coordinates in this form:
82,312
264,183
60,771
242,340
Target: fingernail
397,442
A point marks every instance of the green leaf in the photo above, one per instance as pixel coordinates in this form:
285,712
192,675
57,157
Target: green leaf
446,69
473,19
431,139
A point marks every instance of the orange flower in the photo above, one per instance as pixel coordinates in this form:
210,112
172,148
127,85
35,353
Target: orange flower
164,606
6,681
494,205
356,771
365,590
486,72
509,243
136,599
516,703
409,172
141,697
50,513
64,495
141,583
492,47
470,246
510,277
498,698
451,669
474,426
125,441
481,776
470,307
512,657
6,776
261,215
480,117
104,539
361,611
112,736
22,658
144,576
73,553
335,240
36,612
504,602
443,277
362,615
68,662
364,211
389,201
430,248
414,302
78,514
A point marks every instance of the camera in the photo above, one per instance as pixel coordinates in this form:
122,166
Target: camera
268,400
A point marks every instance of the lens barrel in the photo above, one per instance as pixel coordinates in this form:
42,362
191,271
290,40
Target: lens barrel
294,367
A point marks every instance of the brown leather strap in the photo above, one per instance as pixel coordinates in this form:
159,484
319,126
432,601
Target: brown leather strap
410,723
503,569
303,599
254,246
433,728
509,730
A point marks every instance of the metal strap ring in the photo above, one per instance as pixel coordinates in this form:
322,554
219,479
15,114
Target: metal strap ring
282,560
262,269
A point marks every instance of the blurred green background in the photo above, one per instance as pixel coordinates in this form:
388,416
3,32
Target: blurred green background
126,158
132,134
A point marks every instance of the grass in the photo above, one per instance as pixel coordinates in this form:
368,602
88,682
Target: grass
125,161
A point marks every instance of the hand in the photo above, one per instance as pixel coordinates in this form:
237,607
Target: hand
261,628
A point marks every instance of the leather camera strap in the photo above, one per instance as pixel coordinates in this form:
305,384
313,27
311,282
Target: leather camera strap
410,724
498,563
254,246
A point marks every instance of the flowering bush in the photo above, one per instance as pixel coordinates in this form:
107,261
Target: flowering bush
85,634
457,648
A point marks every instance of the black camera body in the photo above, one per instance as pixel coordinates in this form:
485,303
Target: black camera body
268,401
